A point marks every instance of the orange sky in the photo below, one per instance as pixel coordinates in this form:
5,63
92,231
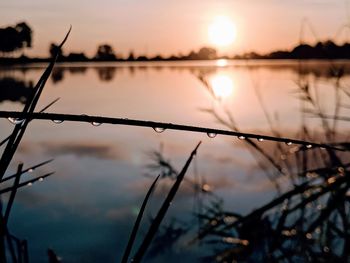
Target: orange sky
172,27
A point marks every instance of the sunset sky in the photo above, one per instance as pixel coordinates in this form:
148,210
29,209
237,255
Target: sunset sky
172,27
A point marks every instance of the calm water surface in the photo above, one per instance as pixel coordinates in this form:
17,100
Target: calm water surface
86,210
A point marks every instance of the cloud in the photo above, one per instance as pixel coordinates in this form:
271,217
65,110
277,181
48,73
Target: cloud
85,149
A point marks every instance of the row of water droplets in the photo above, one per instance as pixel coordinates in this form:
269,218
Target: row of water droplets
211,135
16,121
31,183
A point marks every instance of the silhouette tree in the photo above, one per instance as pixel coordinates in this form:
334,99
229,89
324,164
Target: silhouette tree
77,57
207,53
105,52
131,56
15,38
203,53
55,48
25,34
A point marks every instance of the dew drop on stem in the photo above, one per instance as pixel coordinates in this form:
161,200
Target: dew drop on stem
159,129
15,121
211,134
96,124
57,121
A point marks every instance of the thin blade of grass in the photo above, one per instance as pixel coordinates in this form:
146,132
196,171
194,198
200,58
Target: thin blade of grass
11,247
162,211
137,222
13,193
49,105
5,190
26,170
25,251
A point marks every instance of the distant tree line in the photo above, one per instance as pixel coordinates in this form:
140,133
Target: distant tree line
321,50
105,52
17,37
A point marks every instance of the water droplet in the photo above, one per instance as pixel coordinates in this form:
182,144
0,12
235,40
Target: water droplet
30,170
308,235
41,179
158,129
260,139
214,222
211,134
29,184
241,137
309,146
57,121
15,120
326,249
289,143
94,123
293,232
318,230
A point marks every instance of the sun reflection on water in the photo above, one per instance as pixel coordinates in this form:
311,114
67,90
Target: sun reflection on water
222,85
221,62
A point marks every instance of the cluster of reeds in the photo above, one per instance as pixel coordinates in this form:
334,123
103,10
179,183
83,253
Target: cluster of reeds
307,222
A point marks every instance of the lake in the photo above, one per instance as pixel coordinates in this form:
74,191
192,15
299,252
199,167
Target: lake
85,211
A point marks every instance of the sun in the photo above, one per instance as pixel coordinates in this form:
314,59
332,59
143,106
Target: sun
222,31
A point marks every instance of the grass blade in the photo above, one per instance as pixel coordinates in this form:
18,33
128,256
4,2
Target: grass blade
5,190
162,211
137,222
26,170
13,192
